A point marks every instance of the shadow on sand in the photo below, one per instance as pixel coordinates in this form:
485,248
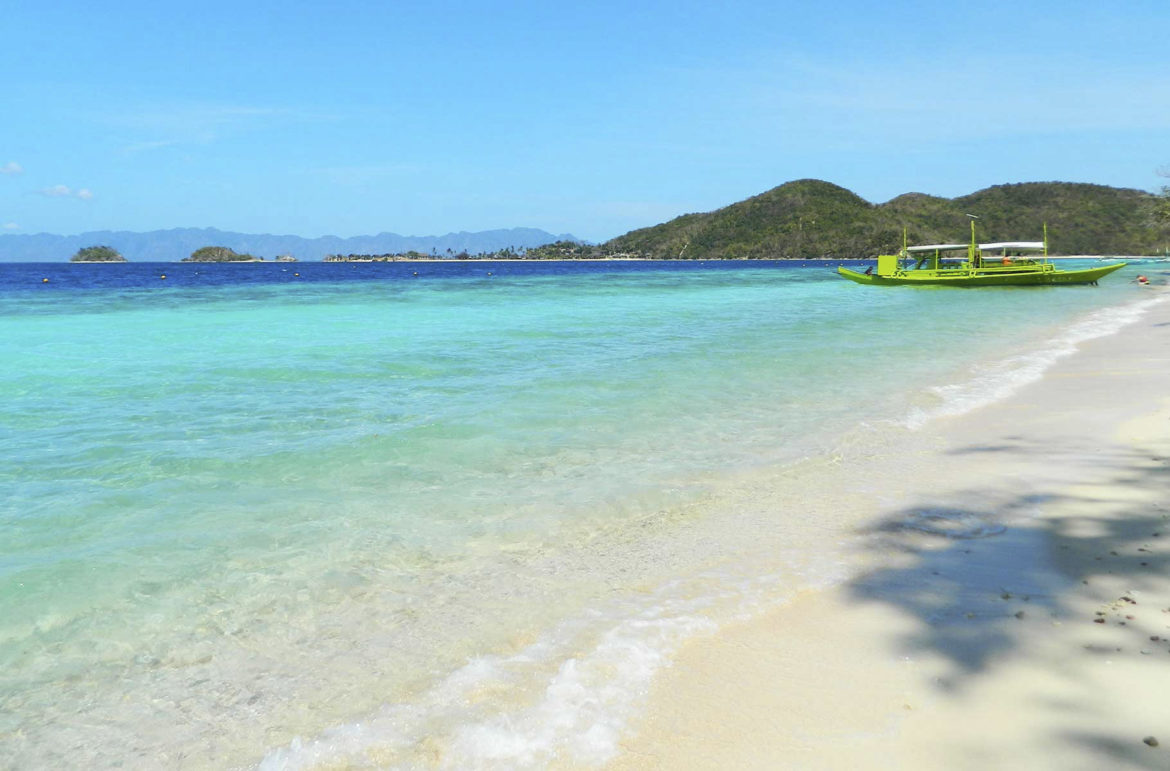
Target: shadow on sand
972,576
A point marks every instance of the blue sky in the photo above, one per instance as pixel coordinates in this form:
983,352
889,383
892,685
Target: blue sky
349,118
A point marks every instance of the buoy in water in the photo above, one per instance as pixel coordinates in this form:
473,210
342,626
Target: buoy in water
163,275
44,280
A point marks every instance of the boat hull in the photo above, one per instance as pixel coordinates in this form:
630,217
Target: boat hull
962,278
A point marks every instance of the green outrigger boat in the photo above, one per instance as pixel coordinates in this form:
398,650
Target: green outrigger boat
1005,263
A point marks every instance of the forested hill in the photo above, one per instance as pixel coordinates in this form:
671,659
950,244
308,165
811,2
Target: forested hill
809,218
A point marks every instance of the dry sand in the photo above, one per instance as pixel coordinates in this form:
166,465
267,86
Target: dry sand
1010,606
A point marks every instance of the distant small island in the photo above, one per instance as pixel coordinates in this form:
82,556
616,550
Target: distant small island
388,257
97,254
220,254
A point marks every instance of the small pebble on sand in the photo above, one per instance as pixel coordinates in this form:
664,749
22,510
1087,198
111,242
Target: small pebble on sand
1151,741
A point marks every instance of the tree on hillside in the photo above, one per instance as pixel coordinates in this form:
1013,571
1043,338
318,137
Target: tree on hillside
97,254
1162,209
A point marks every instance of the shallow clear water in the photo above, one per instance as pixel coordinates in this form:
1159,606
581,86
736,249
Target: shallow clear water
249,503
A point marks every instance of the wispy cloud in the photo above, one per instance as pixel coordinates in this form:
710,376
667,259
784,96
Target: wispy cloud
198,124
368,173
64,191
9,226
12,167
902,101
157,144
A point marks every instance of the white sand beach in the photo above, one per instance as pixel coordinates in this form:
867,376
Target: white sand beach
1009,605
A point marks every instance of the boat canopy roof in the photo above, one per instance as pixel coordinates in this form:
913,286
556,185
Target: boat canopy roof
936,247
1013,245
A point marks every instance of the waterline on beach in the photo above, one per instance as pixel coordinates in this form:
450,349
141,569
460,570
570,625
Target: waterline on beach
997,380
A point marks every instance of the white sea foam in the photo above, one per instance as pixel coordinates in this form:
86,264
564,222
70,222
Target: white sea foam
579,713
1001,378
570,696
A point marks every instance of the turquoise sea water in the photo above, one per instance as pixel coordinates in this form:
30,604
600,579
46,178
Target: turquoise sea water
325,513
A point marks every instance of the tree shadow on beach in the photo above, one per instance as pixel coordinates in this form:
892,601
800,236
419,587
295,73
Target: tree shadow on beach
973,575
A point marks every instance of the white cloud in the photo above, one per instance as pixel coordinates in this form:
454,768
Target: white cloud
12,167
10,226
64,191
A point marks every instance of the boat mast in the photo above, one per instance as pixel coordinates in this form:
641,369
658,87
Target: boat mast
971,249
1045,242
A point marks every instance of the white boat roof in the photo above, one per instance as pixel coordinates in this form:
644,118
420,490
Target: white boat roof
936,247
1013,245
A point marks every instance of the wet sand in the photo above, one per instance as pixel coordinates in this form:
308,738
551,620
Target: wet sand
1009,605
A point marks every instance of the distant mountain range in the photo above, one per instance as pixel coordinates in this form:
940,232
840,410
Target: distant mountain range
173,245
810,218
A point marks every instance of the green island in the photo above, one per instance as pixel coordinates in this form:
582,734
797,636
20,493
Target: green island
220,254
97,254
810,219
